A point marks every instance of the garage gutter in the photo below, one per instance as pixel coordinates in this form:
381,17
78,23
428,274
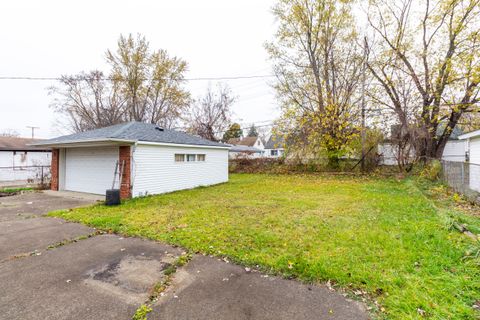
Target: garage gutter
203,146
109,141
85,143
469,135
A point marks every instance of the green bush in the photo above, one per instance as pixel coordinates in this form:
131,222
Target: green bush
432,170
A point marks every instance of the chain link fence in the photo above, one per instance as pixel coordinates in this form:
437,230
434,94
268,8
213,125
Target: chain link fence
22,175
463,177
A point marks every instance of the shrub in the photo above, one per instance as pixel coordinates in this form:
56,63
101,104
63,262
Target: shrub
432,170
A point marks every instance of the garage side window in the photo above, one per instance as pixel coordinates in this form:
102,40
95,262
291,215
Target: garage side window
179,157
190,157
200,157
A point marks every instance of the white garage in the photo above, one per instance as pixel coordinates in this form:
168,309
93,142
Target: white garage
472,148
141,158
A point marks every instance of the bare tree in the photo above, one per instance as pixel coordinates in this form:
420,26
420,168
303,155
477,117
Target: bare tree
210,115
426,61
142,86
9,133
89,101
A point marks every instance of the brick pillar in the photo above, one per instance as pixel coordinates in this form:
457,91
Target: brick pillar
54,169
124,155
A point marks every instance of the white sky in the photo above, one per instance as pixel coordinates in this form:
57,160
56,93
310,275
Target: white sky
50,38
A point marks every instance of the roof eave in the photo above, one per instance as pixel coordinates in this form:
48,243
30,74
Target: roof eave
84,143
204,146
472,134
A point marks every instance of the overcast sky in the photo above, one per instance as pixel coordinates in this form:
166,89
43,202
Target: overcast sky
50,38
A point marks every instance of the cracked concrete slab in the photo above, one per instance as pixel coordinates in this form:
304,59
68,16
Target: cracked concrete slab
211,289
72,282
36,234
35,204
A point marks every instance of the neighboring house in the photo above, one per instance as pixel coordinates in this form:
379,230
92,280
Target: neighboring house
252,147
454,149
153,160
21,162
238,151
472,156
274,148
389,152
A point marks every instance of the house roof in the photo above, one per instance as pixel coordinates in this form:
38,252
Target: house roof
275,142
131,132
234,141
19,144
240,148
247,141
455,135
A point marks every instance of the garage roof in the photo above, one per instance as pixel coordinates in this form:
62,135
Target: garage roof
19,144
131,132
472,134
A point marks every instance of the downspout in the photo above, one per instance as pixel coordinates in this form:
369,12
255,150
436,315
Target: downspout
132,167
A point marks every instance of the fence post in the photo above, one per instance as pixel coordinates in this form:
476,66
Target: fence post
463,178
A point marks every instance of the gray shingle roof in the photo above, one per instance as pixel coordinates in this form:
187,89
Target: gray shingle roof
133,131
275,142
20,144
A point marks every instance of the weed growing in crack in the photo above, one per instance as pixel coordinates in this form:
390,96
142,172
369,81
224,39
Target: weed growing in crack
142,312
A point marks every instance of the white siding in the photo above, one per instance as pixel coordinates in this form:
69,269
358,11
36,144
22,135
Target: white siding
475,164
388,153
155,171
90,170
454,151
21,159
268,153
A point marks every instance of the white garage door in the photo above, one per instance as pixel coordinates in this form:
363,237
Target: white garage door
90,169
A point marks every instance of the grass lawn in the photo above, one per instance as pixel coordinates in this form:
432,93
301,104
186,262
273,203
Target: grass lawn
16,189
380,236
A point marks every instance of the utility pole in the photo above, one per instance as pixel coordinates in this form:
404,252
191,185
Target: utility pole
364,80
33,130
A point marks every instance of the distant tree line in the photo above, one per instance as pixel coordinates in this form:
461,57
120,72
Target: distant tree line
416,65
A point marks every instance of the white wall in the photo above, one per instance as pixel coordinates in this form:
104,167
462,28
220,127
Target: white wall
21,159
268,153
454,151
259,144
389,154
155,171
475,164
246,155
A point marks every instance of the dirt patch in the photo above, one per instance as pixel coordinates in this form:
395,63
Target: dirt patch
135,274
130,277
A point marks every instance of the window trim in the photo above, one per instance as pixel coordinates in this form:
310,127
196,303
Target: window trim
177,155
190,157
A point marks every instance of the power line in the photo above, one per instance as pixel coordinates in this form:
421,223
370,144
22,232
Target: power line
242,127
121,79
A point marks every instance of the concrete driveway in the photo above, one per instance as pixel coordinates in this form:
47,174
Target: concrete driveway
52,269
